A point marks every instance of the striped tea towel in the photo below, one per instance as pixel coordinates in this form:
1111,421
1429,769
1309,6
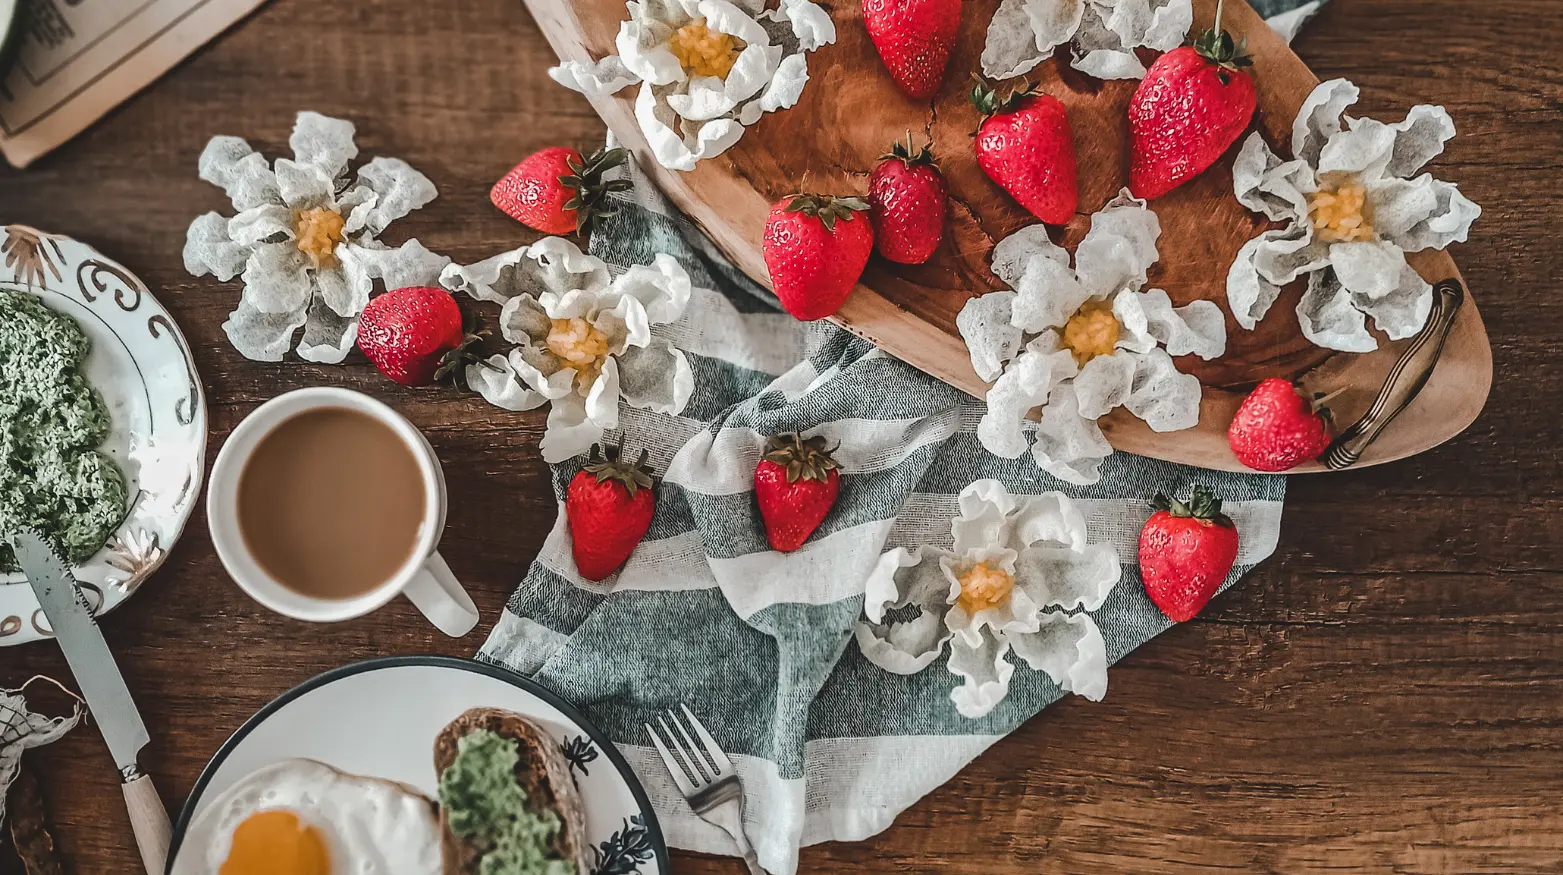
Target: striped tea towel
760,644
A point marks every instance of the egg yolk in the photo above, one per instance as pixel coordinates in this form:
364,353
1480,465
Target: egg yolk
317,232
703,51
276,843
1092,331
984,586
1339,212
580,345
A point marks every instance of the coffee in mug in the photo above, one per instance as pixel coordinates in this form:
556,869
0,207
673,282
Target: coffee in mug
330,503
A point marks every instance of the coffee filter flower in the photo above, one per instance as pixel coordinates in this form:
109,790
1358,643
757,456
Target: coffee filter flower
1105,33
585,340
1352,210
1020,576
707,69
1081,341
304,238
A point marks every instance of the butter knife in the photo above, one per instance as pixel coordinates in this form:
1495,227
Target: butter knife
108,699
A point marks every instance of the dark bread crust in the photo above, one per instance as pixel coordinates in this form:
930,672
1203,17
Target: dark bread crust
542,771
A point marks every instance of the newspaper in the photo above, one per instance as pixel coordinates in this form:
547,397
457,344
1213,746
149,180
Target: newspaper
77,59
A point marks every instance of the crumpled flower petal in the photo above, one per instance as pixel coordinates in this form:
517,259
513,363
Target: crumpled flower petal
386,190
1105,33
499,385
986,673
1063,578
1119,249
656,377
323,142
208,249
260,336
1027,382
991,339
328,336
1329,319
240,171
1070,648
1068,445
276,279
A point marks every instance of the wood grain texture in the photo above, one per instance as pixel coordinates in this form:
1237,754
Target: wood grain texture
850,113
1384,695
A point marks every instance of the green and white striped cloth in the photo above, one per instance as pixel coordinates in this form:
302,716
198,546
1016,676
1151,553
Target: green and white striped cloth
760,644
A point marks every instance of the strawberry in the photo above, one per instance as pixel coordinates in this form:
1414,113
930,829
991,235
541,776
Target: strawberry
914,39
1026,146
1193,104
907,197
414,335
609,505
556,191
815,248
1186,552
1276,428
796,484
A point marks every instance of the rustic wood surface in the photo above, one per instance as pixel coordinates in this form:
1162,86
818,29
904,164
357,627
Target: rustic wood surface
850,113
1384,694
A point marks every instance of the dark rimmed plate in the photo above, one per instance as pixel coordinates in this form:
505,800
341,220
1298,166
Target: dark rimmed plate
379,718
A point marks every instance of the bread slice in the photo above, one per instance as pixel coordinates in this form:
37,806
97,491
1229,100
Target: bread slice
542,771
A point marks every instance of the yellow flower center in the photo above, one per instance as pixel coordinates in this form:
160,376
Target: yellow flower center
1340,212
579,345
317,232
984,586
1092,331
703,51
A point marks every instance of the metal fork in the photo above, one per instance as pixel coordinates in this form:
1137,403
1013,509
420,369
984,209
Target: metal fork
708,782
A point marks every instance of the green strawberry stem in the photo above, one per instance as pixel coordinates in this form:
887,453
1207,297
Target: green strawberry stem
909,154
452,362
1217,46
590,198
607,463
826,208
1202,505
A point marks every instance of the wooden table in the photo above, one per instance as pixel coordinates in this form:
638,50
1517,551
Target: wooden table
1385,694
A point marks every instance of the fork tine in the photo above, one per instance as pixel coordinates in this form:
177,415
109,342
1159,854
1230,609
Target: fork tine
698,775
695,748
679,778
713,750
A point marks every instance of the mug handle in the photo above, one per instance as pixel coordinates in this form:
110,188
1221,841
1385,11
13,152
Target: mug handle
436,592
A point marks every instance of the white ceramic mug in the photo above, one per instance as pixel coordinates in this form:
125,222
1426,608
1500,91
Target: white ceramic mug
425,579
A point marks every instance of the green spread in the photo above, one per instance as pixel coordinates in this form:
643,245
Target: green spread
52,477
484,805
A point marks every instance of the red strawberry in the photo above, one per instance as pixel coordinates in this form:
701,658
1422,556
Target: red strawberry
914,38
1193,104
558,192
1276,428
907,198
414,335
1186,552
796,484
609,505
1026,146
815,248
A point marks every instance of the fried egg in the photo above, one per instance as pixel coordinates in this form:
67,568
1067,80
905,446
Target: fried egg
301,817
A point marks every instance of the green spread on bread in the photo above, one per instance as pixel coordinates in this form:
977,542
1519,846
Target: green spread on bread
484,805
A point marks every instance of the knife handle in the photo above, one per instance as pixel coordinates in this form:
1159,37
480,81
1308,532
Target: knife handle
149,820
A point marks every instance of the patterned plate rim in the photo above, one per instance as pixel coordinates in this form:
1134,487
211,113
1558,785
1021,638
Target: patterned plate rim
603,742
13,267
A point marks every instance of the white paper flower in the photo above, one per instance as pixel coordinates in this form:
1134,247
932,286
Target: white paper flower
584,340
1105,34
304,239
1352,211
706,69
1020,577
1079,342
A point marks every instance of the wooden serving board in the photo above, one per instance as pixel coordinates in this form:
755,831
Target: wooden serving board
850,113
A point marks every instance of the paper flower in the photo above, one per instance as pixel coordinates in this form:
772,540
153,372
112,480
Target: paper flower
1092,342
584,341
1105,33
1012,561
707,69
304,239
1352,212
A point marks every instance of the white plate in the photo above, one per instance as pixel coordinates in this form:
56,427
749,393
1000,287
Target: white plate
142,365
379,718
